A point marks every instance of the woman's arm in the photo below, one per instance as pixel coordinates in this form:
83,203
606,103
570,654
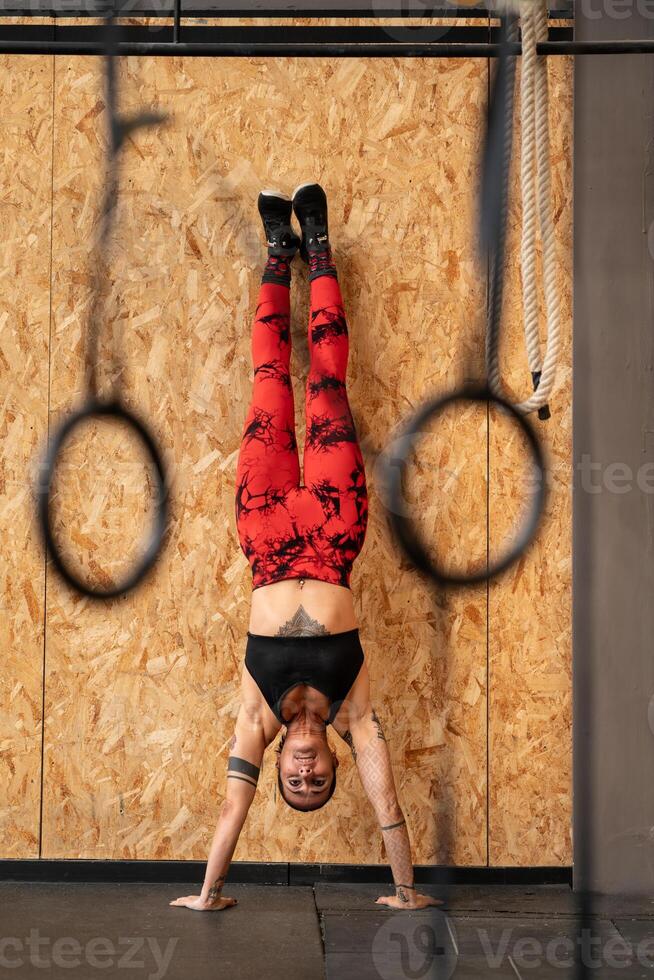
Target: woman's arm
233,813
369,749
246,753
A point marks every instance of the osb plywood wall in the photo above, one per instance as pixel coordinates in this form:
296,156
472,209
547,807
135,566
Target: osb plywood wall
132,702
25,195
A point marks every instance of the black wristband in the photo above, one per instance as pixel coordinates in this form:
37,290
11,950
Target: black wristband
392,826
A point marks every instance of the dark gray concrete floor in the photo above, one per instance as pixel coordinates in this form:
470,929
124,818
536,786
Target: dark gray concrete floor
333,932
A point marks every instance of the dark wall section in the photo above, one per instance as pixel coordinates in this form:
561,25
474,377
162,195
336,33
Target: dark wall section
613,412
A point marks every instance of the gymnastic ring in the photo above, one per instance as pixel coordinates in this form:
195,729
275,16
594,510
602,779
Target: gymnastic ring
97,409
395,466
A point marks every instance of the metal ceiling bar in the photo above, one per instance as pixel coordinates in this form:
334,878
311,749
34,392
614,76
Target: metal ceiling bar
391,49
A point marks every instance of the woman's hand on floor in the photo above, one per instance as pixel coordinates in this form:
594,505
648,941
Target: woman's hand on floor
198,904
408,899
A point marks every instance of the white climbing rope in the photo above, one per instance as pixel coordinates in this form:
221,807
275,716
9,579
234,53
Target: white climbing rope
536,204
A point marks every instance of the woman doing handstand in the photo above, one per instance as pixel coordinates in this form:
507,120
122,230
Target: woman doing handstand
304,664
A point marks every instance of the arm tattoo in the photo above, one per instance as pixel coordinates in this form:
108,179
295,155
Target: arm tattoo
401,893
240,769
347,738
378,726
216,888
392,826
232,743
301,624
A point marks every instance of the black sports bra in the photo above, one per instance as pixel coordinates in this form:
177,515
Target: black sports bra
329,664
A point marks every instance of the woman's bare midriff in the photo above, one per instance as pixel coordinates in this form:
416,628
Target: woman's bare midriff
301,607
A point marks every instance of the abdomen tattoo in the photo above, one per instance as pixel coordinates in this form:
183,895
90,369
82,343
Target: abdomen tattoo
302,624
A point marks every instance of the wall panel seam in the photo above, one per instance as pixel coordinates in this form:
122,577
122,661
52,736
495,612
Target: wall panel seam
45,553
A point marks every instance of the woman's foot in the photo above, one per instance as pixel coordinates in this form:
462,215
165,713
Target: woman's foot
276,211
310,206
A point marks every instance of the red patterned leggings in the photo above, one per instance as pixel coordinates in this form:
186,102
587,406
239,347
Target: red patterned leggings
288,530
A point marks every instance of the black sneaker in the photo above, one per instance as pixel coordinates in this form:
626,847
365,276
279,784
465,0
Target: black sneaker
310,206
276,210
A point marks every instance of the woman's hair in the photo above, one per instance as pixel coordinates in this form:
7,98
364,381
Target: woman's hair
295,806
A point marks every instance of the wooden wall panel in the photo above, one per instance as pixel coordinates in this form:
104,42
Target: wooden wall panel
142,692
25,195
530,655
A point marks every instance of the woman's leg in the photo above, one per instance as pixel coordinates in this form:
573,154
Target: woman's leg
268,464
333,463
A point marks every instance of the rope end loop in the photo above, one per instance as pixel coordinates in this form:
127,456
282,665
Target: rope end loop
544,411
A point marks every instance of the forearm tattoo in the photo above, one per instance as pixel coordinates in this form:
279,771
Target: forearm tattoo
374,767
302,624
401,893
216,888
398,851
347,737
377,724
377,778
240,769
